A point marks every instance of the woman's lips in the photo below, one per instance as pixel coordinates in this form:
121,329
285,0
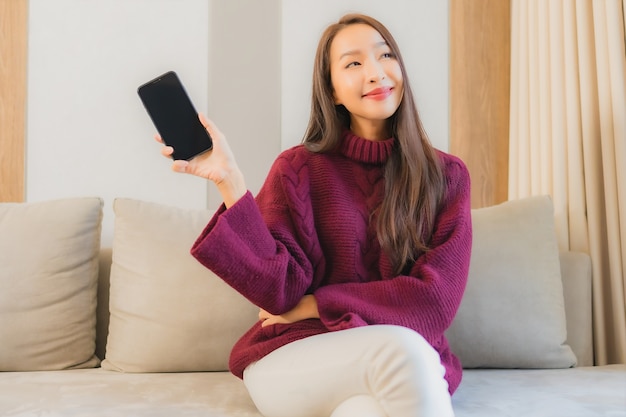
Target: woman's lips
378,93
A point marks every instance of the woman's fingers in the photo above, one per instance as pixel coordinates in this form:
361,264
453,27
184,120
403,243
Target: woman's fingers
215,165
180,165
266,318
209,126
167,151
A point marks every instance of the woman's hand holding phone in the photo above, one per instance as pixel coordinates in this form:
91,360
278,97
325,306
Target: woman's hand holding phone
217,165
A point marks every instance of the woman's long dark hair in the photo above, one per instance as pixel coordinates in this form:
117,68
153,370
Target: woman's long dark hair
414,181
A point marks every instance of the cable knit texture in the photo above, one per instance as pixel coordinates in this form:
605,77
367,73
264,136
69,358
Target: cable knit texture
311,230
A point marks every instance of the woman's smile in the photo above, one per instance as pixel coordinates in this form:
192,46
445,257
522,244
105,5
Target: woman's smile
380,93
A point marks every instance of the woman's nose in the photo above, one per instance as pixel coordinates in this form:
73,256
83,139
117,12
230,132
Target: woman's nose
375,72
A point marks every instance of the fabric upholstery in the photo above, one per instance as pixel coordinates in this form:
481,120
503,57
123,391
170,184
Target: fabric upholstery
513,314
168,313
48,281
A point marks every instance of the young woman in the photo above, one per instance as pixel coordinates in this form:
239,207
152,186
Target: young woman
356,249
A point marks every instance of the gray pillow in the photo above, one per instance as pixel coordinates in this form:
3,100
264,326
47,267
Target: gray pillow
168,312
48,284
513,312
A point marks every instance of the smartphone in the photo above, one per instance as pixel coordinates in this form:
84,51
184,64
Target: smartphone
174,116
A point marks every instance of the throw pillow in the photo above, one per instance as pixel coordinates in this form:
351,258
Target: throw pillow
48,284
513,312
168,312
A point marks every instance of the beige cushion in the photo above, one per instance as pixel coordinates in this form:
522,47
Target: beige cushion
168,312
513,314
48,283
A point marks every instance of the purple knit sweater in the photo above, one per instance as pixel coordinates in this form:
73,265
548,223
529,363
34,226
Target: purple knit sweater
309,232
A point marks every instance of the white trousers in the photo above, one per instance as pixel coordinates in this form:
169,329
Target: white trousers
371,371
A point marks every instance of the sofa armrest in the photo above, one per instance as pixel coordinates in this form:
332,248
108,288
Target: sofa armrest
576,274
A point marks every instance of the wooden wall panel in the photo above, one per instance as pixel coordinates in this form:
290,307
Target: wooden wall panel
480,49
13,53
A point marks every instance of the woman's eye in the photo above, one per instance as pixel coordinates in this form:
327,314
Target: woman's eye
387,55
352,64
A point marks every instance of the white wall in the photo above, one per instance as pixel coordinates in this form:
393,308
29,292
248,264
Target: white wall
419,26
247,64
87,132
245,83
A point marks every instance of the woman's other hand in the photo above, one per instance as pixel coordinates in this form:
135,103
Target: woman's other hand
217,165
305,309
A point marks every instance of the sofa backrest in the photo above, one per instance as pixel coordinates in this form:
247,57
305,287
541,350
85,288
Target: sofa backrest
576,275
102,310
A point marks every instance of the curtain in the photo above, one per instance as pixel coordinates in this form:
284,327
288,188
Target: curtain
568,139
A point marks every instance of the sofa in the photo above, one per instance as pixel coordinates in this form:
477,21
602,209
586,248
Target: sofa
139,328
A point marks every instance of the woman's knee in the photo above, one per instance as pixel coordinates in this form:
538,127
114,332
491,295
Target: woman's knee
403,358
408,345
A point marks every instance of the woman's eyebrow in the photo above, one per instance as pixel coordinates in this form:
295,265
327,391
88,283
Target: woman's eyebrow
350,53
358,51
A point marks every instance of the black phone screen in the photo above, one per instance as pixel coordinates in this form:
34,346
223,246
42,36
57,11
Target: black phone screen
174,116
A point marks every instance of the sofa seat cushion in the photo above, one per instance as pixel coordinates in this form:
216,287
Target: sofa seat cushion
577,392
98,392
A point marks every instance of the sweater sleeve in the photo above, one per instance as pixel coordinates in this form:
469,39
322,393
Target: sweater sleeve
257,248
426,299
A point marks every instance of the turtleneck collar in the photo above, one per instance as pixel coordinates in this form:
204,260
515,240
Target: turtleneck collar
364,150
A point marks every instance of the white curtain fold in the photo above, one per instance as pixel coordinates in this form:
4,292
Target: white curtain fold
568,139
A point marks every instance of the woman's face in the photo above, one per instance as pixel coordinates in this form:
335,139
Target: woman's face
366,79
